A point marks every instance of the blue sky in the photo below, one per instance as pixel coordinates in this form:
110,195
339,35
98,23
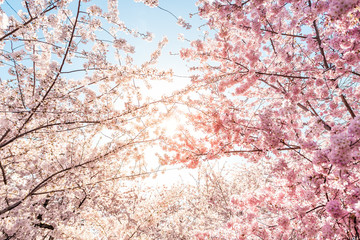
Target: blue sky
161,23
143,18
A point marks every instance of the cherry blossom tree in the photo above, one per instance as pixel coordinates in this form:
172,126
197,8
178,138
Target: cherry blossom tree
276,84
67,77
280,84
180,211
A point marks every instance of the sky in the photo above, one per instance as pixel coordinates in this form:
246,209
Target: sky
162,23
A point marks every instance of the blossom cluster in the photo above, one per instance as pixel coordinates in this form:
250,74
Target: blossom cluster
122,44
345,145
150,3
334,208
181,21
338,8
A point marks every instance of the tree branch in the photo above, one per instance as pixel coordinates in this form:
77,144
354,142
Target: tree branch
319,43
3,173
47,179
27,8
5,134
44,126
314,113
28,22
59,71
357,74
274,32
44,225
281,75
261,150
348,107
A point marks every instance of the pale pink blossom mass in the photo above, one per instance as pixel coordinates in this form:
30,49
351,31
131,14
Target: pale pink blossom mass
264,117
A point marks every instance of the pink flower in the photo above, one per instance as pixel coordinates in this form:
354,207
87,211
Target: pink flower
327,231
182,23
284,222
119,43
150,3
95,10
198,44
54,66
320,157
4,21
235,199
333,207
341,7
354,127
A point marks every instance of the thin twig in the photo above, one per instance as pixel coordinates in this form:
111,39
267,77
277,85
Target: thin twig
282,75
34,74
357,74
27,7
314,113
274,32
3,136
163,9
347,105
18,78
261,150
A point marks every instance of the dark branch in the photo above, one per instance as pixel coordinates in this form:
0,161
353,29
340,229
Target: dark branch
319,43
274,32
3,173
260,150
347,105
44,225
282,75
314,113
